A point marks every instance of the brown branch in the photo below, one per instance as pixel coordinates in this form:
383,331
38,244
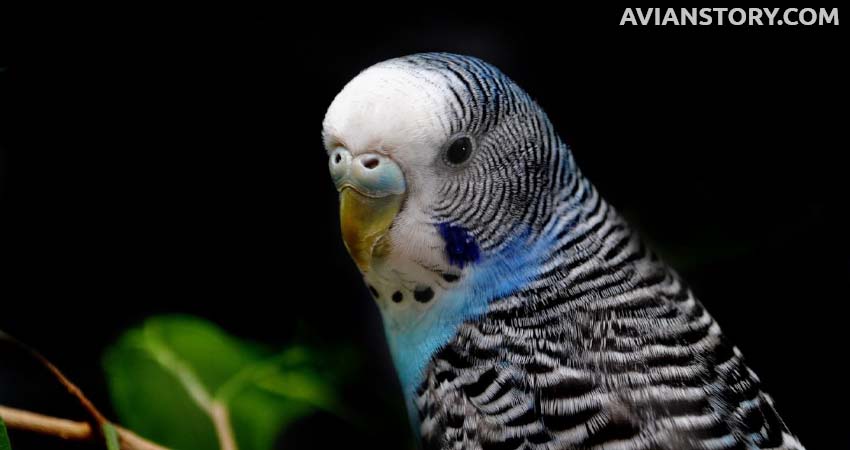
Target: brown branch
68,429
72,389
97,417
37,423
17,419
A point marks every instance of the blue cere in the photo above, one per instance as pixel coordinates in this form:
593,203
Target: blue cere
461,247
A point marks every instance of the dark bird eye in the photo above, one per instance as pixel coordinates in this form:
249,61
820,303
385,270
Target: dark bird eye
459,150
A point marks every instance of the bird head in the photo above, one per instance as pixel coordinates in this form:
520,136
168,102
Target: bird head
441,163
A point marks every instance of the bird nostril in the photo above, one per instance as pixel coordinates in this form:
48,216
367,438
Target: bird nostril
370,162
337,158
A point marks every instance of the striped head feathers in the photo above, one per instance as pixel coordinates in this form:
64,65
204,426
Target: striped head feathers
442,162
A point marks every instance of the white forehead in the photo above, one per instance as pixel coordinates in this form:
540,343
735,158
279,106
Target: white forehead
390,108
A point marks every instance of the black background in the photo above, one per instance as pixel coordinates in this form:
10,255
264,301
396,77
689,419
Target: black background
156,164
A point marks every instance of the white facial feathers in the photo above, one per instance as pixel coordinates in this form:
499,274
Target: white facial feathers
390,109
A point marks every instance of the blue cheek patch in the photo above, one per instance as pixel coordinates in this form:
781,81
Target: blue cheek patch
461,247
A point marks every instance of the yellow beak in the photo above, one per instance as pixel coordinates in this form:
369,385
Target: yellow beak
365,222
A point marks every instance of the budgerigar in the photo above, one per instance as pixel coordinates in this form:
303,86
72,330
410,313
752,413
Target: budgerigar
521,311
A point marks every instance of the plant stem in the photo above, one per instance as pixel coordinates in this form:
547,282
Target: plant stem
17,419
221,420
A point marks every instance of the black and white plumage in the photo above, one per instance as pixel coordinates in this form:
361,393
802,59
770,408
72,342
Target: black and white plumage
548,324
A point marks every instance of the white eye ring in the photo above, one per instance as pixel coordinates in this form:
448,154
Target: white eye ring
339,163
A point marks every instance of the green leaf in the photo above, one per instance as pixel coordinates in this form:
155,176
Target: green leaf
165,375
258,417
4,437
301,386
111,437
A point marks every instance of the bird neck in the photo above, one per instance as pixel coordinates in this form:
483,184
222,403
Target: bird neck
583,251
592,255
